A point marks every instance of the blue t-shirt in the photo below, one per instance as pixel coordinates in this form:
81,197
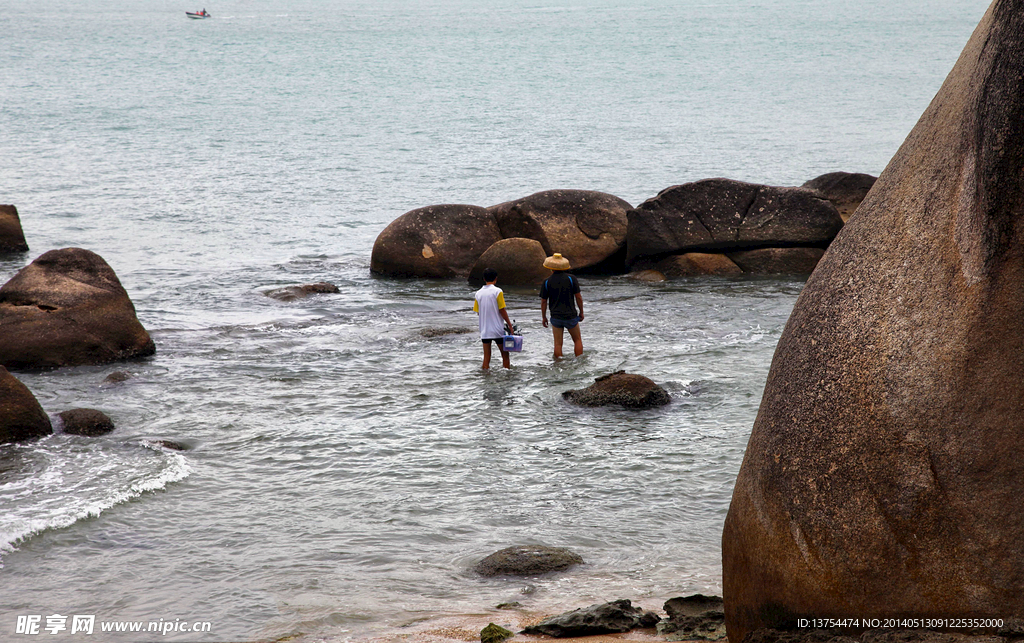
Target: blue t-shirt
560,290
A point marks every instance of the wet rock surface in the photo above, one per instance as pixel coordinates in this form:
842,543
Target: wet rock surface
620,388
87,422
21,416
292,293
12,237
694,618
607,618
67,308
527,560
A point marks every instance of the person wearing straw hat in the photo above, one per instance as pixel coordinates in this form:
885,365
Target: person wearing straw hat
562,292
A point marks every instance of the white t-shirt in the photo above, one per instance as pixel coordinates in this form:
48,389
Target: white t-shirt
489,300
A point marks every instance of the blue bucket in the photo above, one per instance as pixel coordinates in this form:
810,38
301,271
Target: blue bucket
512,343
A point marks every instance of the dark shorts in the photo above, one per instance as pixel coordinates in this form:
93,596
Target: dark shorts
565,323
497,340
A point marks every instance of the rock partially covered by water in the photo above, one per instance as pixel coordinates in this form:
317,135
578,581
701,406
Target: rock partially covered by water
437,241
21,416
608,618
68,308
527,560
843,189
586,227
292,293
87,422
626,389
697,263
775,261
723,215
519,262
441,331
694,618
495,634
12,237
883,469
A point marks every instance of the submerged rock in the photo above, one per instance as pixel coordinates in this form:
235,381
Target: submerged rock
519,262
608,618
585,227
87,422
21,416
445,330
292,293
725,215
527,560
438,241
883,468
843,189
12,237
620,387
68,308
117,377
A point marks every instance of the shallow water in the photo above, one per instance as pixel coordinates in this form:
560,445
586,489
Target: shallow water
343,471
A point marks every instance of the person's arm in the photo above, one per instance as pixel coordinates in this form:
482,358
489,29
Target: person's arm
544,312
507,320
579,304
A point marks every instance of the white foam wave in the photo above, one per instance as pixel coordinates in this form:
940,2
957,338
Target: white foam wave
44,502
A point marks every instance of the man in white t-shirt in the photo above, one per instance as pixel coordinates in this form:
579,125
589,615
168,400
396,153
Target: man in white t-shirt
490,306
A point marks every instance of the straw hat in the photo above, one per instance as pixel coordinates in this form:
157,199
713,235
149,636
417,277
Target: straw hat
556,262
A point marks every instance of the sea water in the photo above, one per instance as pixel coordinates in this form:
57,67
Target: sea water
343,471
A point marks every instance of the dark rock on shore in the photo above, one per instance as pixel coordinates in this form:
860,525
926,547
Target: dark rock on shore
626,389
21,416
495,634
608,618
694,618
68,308
772,261
883,468
586,227
843,189
291,293
697,263
722,214
527,560
87,422
12,237
519,262
437,241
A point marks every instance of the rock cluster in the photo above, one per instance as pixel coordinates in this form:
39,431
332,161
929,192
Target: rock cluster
621,388
714,226
882,470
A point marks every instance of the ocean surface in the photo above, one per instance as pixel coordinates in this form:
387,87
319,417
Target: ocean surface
344,471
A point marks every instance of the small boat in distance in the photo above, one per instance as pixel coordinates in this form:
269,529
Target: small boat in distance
198,14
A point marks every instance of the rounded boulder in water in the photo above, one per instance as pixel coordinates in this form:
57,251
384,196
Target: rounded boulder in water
620,388
87,422
519,262
527,560
21,416
67,308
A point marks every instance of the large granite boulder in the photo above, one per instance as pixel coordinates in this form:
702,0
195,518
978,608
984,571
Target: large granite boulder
527,560
722,214
586,227
883,472
691,264
439,241
770,261
21,417
68,308
12,237
608,618
620,388
519,262
845,190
